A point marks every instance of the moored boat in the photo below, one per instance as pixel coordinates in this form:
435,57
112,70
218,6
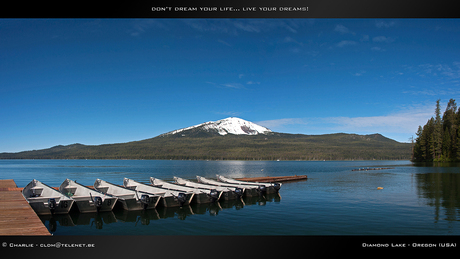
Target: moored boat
45,200
201,195
87,199
169,198
228,193
268,187
249,190
129,199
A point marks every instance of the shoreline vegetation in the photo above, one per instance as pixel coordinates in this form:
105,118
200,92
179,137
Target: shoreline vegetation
438,139
199,145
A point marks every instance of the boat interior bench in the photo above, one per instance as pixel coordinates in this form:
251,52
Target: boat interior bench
42,199
84,197
129,195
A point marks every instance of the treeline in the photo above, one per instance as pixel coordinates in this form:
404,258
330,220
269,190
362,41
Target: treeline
438,140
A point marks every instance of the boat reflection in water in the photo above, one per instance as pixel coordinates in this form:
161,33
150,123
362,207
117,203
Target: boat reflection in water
51,221
95,219
75,218
144,217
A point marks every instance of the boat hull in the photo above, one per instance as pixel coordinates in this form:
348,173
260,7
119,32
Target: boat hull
249,191
45,200
87,200
200,195
168,198
86,205
202,198
41,206
227,193
269,187
128,199
135,204
171,201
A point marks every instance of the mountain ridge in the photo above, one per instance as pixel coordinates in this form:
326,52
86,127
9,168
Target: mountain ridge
231,125
217,141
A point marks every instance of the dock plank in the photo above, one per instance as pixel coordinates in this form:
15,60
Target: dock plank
17,218
7,183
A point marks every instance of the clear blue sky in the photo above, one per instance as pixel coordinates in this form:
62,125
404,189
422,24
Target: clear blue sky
98,81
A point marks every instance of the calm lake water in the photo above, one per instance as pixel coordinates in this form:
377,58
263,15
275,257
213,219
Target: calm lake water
335,200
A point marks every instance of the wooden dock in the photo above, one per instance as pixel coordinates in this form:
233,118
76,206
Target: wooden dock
17,218
272,179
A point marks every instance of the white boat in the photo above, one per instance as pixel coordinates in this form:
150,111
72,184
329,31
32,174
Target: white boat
269,187
46,200
169,198
87,199
201,195
249,190
129,199
228,193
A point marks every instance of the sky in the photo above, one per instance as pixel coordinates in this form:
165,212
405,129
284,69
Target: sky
102,81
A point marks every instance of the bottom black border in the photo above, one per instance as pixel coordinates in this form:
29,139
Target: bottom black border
224,246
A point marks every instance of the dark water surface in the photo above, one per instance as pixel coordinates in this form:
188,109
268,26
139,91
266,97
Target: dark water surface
335,200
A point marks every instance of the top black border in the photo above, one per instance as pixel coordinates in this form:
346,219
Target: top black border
234,9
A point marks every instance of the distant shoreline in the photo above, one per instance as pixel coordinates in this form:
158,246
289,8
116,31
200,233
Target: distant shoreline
100,159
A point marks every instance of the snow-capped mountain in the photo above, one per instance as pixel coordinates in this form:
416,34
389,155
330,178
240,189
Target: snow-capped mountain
226,126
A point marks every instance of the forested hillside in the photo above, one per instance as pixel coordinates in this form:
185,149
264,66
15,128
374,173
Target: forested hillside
197,144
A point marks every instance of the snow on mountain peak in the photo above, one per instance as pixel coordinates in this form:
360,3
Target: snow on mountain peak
230,125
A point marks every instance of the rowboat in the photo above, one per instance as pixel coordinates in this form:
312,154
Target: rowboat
201,195
45,200
87,199
264,187
129,199
228,193
249,190
169,198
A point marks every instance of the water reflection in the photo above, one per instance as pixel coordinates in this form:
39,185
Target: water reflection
442,191
144,217
93,220
437,164
51,221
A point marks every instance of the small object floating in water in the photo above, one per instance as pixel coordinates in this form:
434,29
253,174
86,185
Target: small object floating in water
372,168
379,188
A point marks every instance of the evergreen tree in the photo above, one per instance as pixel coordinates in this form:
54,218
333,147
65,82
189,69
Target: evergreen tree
428,139
417,151
437,134
450,127
457,158
457,142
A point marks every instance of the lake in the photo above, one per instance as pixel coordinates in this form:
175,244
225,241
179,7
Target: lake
335,200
